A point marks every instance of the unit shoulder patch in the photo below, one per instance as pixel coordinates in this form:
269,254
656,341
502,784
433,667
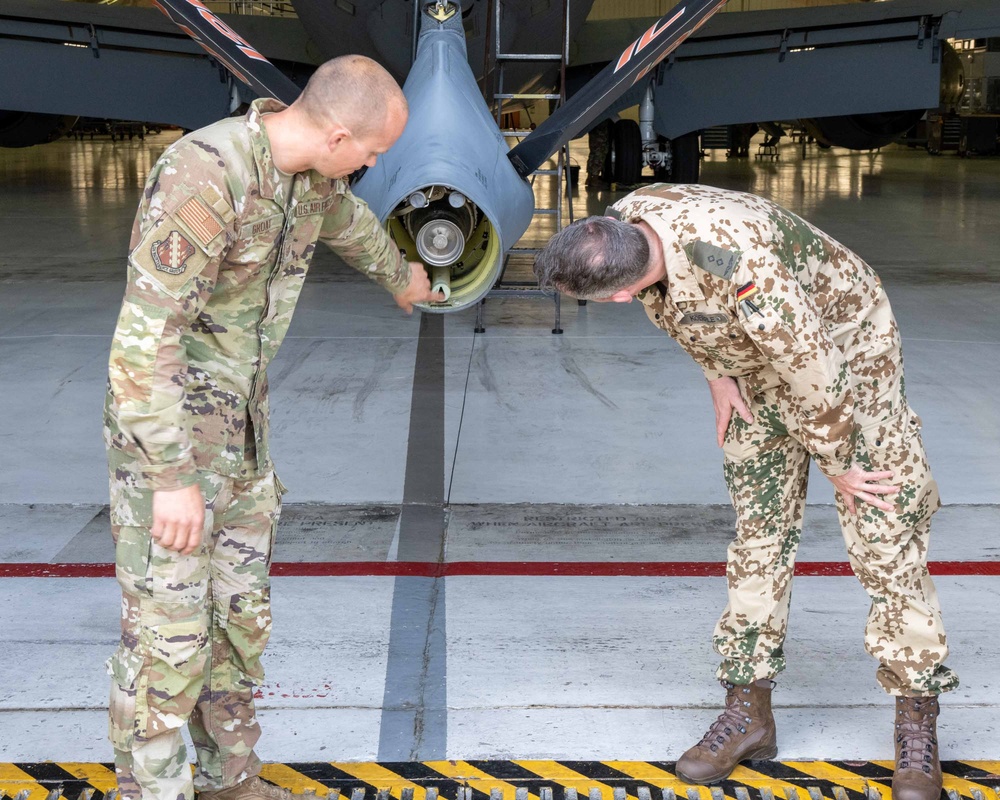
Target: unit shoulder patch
712,258
170,256
171,253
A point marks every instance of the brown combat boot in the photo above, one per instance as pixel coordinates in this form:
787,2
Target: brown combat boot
918,769
251,789
743,731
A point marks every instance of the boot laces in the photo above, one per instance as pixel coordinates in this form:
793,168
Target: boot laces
730,721
916,736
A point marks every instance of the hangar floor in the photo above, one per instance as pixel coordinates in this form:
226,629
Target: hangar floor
520,556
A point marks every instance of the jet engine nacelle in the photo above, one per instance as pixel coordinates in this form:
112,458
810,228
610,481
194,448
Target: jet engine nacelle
870,131
446,191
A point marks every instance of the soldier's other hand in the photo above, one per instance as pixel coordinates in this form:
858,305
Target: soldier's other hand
861,485
418,290
178,519
726,398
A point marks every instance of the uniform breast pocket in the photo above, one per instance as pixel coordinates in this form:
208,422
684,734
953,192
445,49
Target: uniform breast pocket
257,240
711,330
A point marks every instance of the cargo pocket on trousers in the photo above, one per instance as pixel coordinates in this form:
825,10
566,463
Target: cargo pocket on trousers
279,491
247,628
757,485
128,700
895,444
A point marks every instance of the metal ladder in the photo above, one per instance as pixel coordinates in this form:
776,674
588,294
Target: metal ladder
561,173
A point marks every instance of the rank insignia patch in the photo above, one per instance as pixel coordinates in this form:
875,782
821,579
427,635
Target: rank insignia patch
711,258
170,255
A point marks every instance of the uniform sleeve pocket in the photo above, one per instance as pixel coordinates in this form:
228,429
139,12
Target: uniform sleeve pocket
131,500
886,438
178,246
773,337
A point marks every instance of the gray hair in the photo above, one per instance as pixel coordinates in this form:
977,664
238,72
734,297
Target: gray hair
354,91
593,258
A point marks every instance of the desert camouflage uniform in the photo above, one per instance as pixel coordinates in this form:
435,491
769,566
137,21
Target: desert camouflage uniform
219,252
816,353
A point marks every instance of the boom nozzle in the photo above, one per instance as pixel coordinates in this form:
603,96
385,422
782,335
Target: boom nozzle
441,281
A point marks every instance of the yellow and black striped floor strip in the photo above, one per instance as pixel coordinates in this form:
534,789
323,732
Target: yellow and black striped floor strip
534,780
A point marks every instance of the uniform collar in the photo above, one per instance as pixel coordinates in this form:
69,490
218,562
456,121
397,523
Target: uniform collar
682,283
268,176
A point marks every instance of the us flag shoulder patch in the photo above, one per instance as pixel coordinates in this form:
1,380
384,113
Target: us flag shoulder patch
200,220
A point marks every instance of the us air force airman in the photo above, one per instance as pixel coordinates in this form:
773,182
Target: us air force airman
221,244
802,354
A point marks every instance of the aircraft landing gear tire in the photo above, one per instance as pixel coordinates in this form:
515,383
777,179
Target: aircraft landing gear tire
624,161
686,157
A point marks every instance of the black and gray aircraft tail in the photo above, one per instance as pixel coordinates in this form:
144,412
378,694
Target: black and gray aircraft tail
612,82
229,48
450,191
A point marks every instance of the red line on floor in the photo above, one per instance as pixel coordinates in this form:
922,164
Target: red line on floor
421,569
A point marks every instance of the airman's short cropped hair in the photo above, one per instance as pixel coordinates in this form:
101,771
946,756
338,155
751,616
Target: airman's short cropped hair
353,90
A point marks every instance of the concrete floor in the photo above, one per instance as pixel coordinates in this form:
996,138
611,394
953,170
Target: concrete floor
610,413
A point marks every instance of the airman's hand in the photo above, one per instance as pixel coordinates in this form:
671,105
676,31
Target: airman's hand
178,518
856,483
418,290
726,398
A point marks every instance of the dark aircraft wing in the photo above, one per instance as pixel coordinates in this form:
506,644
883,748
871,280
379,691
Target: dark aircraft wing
229,48
569,121
613,81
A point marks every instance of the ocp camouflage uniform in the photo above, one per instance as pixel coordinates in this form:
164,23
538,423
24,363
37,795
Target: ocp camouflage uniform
598,142
219,252
803,325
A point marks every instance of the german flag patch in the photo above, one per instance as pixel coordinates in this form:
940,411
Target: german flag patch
743,295
746,291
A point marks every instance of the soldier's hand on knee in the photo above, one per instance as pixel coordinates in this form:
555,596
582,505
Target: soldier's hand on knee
856,484
178,519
